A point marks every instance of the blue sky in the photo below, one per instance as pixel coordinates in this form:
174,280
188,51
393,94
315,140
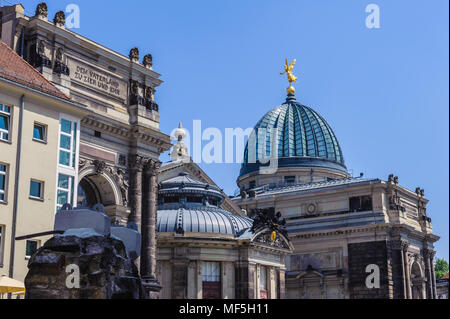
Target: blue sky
383,91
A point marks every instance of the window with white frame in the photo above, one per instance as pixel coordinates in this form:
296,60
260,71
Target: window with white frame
67,143
5,122
65,190
211,272
67,162
211,280
3,182
36,189
39,132
2,231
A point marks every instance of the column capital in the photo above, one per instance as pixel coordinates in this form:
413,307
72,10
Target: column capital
404,245
136,162
428,253
151,166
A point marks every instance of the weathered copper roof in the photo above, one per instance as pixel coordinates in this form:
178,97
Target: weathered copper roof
299,136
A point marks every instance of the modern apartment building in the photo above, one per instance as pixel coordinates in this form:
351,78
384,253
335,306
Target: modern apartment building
39,149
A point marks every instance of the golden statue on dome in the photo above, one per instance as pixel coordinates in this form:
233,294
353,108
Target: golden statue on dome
290,76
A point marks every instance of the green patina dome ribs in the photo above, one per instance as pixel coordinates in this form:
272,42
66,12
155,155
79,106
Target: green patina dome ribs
304,139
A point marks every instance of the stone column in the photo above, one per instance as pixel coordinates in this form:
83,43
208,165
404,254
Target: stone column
245,276
192,282
282,284
180,278
135,163
429,284
433,275
148,228
405,288
405,246
272,283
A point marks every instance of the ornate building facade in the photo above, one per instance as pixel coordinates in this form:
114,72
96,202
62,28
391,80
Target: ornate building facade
207,248
337,227
120,141
342,228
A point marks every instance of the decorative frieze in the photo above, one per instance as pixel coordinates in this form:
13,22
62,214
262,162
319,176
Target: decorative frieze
267,240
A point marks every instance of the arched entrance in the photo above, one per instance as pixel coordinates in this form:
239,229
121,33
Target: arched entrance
96,189
104,186
417,281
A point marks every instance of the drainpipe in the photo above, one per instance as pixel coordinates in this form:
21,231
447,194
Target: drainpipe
16,188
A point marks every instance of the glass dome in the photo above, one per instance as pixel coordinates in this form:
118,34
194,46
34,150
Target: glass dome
302,139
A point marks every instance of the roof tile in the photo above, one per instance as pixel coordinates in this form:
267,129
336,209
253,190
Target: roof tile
14,68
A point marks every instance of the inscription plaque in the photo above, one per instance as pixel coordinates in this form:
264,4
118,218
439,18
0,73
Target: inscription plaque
97,79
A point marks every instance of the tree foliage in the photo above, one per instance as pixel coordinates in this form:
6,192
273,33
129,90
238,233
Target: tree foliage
440,268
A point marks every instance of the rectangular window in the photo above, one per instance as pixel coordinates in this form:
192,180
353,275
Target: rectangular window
361,204
3,182
211,280
252,185
2,231
289,180
263,293
40,132
36,189
5,122
67,143
65,190
32,247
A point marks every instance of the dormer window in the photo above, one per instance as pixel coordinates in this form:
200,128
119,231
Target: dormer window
195,199
290,180
213,202
361,204
171,199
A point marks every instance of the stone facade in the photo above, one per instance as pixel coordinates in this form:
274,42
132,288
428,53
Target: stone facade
120,134
359,257
332,239
338,224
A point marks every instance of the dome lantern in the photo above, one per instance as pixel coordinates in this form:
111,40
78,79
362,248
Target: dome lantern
295,135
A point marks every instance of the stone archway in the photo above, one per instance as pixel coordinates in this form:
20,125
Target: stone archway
417,281
96,189
99,183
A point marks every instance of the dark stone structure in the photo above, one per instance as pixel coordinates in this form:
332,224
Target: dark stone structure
359,257
105,270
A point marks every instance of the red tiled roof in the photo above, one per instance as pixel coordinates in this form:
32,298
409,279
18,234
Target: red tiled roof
445,277
14,68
